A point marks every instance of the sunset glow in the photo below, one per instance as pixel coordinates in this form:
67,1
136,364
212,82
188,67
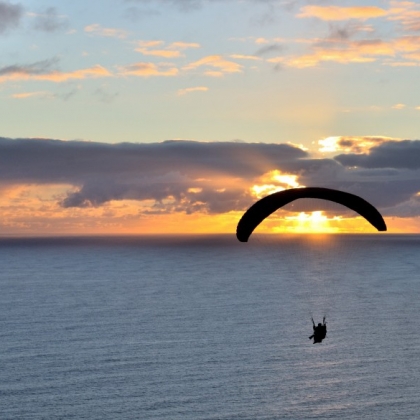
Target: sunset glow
274,181
315,222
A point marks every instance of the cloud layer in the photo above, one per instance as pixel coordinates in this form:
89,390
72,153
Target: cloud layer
192,176
214,177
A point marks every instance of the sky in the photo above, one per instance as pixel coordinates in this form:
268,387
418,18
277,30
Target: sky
174,116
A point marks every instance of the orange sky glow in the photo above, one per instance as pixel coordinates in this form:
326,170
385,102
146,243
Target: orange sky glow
31,210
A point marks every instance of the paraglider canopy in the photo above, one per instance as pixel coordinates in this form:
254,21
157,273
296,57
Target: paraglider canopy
269,204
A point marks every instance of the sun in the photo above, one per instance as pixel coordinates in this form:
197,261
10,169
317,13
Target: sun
312,222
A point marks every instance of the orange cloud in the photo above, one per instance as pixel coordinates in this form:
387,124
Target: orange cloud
149,69
261,40
407,13
362,51
159,53
193,89
58,76
96,29
184,45
413,56
407,43
321,55
25,95
171,51
398,106
149,44
245,57
217,62
351,144
334,13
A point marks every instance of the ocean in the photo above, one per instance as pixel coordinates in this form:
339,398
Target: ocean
209,328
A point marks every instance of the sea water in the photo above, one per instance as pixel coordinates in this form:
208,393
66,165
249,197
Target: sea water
210,328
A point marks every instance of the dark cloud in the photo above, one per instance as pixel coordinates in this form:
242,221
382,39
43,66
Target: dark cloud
341,32
49,21
345,31
388,172
391,154
103,95
65,96
191,5
10,15
136,14
214,177
183,5
39,67
270,49
194,175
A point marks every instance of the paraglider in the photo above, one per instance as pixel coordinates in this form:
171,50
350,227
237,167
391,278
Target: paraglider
320,331
269,204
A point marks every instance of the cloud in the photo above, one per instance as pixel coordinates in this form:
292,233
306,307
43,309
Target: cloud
173,50
135,14
189,175
103,95
346,31
209,178
399,106
160,53
142,69
350,40
59,76
182,5
217,64
269,49
245,57
404,154
25,95
344,51
192,89
49,21
407,14
334,13
98,30
45,71
351,144
10,16
194,5
65,96
148,44
184,45
34,69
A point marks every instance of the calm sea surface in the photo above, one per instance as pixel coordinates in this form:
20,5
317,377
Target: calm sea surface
210,328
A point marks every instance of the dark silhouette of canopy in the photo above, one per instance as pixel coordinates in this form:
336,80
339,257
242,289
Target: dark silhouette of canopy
267,205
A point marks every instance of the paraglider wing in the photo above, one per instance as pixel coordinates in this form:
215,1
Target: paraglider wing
269,204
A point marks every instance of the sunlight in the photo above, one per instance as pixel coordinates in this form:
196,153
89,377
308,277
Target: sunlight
274,181
312,222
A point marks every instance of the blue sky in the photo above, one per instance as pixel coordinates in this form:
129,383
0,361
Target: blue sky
254,88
